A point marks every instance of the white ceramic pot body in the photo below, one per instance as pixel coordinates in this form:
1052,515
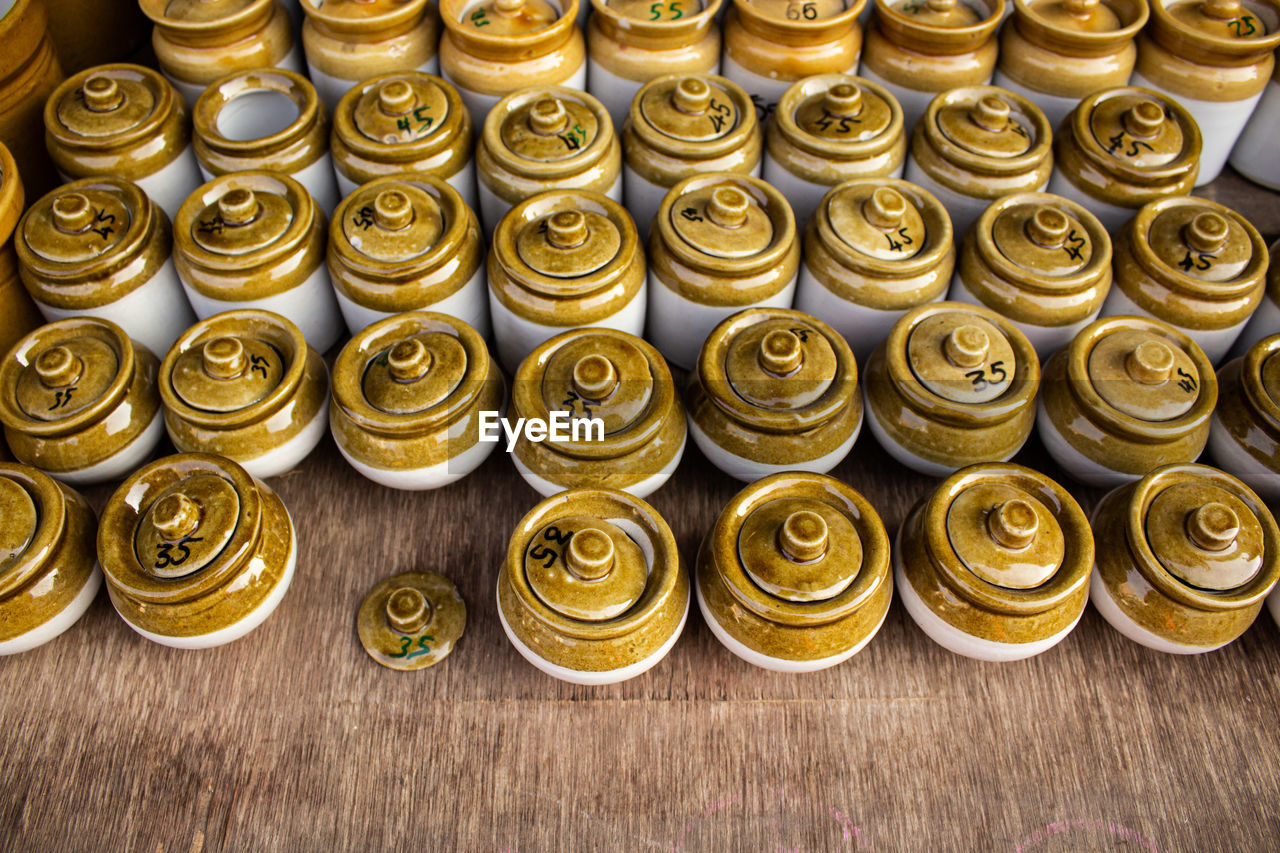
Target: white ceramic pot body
1110,215
749,470
1216,343
516,336
1231,457
1255,155
311,305
1046,339
470,304
64,619
678,325
803,195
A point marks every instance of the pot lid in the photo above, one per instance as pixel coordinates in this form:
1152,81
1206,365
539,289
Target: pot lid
1223,19
877,221
227,373
585,568
1140,131
723,221
961,356
845,113
187,526
411,620
690,109
800,549
20,522
569,243
242,221
85,222
1082,16
603,375
66,377
806,10
509,17
943,14
416,373
1205,536
1005,534
393,225
401,110
199,11
1200,240
111,101
1144,375
988,127
1043,238
549,129
780,363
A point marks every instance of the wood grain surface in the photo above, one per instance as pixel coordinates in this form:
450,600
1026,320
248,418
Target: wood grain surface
293,739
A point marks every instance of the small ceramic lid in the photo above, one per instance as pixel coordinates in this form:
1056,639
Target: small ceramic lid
1137,135
397,224
368,17
411,620
510,17
940,14
402,109
733,224
230,137
815,10
838,116
987,129
939,27
1203,246
876,220
693,116
110,105
1081,16
1228,20
243,220
547,132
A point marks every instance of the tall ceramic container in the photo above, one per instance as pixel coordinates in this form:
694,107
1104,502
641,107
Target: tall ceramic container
18,314
29,72
89,34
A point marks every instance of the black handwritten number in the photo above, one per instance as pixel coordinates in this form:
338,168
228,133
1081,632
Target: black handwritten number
717,121
258,365
691,214
1073,245
1242,26
403,124
363,218
719,115
802,334
1202,261
62,397
479,19
174,554
106,219
574,138
1134,149
979,376
212,226
539,552
898,241
846,123
1187,382
808,11
998,373
763,108
553,534
572,399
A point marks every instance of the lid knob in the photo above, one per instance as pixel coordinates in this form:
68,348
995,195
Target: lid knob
409,360
692,96
58,367
728,207
885,208
941,5
991,112
1013,524
590,554
1223,10
223,358
1048,227
803,536
1144,119
967,346
1213,526
1150,363
781,352
1083,8
548,116
508,7
408,610
72,213
395,97
1207,232
175,516
594,377
101,94
843,99
238,206
392,210
567,229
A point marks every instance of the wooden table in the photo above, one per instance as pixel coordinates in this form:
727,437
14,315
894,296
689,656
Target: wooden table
292,738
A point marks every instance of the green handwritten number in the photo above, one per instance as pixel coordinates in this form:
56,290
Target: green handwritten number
424,120
676,12
1242,26
406,643
575,138
912,8
479,18
403,124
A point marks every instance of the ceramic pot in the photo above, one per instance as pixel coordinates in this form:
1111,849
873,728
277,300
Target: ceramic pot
1252,155
1245,434
30,74
18,314
1265,320
89,34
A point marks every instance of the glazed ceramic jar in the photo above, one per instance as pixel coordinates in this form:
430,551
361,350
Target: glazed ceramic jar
830,129
977,144
88,34
774,390
1123,147
681,126
100,248
1040,261
1128,394
875,249
123,121
995,564
562,260
1058,52
1193,263
1214,57
630,42
795,576
352,40
257,240
591,590
244,385
29,73
48,564
1185,558
200,42
196,552
408,397
491,48
770,44
1265,320
78,401
917,50
621,424
1245,434
1253,155
407,244
266,120
18,314
721,243
952,385
545,138
405,122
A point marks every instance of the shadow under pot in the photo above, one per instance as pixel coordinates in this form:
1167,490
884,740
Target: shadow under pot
1265,319
953,385
409,393
977,144
257,240
18,313
831,129
100,248
266,119
196,552
407,244
1040,261
1185,558
775,390
621,423
124,121
1245,434
401,123
794,576
591,590
1123,147
721,243
563,260
994,565
1127,395
246,386
1193,263
78,400
875,249
545,138
50,569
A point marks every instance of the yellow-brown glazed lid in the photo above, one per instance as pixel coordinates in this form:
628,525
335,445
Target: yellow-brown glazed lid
1039,259
592,581
566,258
411,620
248,235
833,127
241,384
1249,402
407,121
122,120
47,550
76,392
1000,552
799,24
1216,32
1188,552
1072,48
301,142
398,244
407,389
611,376
881,242
797,568
191,545
90,243
939,26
